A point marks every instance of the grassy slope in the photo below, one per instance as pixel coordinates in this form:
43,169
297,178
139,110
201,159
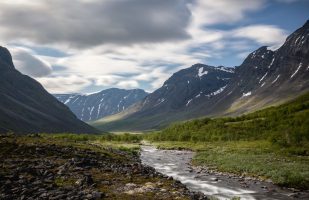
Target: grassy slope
270,143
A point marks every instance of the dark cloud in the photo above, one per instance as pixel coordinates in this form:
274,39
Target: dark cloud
84,24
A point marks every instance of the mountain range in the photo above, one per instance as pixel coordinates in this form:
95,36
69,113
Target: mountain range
26,107
98,105
265,78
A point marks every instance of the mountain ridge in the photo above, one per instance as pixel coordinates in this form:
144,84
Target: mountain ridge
264,78
89,107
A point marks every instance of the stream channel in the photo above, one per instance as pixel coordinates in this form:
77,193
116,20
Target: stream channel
176,164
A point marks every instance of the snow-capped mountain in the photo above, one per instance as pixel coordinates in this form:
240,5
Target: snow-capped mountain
107,102
26,107
265,78
187,86
179,94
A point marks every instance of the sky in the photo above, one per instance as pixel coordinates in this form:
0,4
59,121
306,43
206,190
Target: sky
84,46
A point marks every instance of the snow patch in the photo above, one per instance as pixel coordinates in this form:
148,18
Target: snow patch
246,94
299,66
263,77
275,79
159,101
197,96
253,55
188,102
99,109
225,69
75,100
297,39
272,62
69,99
201,73
216,92
90,114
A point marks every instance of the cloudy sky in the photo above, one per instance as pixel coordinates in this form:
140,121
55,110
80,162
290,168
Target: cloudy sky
84,46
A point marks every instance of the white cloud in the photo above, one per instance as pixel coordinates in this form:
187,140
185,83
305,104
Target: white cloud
64,84
263,34
128,84
107,60
106,80
222,11
27,63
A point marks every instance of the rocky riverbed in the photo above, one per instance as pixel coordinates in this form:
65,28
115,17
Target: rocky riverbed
177,164
38,168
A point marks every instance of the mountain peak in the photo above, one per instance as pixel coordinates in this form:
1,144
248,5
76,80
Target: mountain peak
306,25
5,57
258,57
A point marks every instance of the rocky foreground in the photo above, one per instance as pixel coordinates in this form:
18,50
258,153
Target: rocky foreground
34,167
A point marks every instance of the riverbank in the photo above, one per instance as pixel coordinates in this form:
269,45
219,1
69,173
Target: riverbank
258,159
177,164
270,144
46,167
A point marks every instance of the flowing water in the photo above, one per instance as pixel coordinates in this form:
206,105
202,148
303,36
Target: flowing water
177,164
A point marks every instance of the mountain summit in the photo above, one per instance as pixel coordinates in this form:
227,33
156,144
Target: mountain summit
26,107
265,78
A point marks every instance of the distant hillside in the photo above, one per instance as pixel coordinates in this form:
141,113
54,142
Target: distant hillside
26,107
265,78
287,125
182,90
107,102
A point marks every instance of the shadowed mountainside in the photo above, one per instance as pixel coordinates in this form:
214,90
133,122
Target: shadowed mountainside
26,107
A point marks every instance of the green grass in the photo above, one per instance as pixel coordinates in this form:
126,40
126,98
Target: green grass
108,137
272,143
250,158
286,125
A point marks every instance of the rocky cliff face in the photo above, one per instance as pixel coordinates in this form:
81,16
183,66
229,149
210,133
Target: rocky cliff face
107,102
26,107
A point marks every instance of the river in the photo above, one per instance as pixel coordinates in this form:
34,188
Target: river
177,164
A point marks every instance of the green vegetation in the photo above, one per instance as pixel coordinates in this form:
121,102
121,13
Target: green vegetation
286,125
125,137
124,142
272,143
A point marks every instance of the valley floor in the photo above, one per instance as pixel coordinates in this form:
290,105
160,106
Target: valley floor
46,167
72,166
258,159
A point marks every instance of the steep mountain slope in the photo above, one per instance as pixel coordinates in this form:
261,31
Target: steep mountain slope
269,77
26,107
264,78
185,88
101,104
